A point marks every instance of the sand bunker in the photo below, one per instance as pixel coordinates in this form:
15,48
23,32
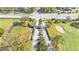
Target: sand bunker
60,29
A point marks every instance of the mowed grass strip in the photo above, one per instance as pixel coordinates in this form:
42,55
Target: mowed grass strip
71,37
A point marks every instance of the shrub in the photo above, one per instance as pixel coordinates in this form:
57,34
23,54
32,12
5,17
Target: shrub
31,23
16,40
41,45
48,22
1,31
77,18
68,19
75,24
23,19
56,41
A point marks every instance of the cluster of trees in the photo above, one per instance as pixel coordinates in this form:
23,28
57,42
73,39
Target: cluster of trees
49,22
17,9
30,21
47,10
6,9
77,19
67,20
30,9
25,22
41,45
75,23
25,10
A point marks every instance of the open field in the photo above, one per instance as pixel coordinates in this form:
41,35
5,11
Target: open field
18,39
39,29
6,23
70,37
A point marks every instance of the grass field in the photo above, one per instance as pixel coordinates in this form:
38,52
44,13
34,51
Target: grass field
21,36
6,23
71,37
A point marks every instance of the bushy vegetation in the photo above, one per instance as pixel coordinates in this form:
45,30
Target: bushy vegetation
41,45
77,19
57,42
31,23
1,31
17,10
47,10
75,24
48,23
17,40
30,10
68,19
26,21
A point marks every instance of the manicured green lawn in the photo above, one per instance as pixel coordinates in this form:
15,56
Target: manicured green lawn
71,37
71,41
